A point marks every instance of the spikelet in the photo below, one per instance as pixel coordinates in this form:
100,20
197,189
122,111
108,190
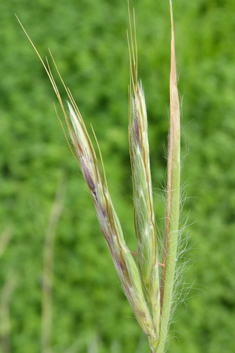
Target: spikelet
110,225
142,186
142,190
143,203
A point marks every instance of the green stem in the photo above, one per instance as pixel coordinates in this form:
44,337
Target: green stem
173,202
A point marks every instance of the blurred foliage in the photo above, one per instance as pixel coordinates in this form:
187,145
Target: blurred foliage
88,41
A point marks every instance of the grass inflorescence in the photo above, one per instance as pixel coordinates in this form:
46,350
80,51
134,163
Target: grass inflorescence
149,294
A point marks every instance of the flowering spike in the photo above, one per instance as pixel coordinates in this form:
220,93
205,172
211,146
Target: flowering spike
110,225
142,192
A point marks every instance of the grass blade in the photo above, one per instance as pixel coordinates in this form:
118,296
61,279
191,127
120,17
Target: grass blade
48,268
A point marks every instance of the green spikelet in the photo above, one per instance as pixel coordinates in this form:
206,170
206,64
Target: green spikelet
143,202
142,188
110,225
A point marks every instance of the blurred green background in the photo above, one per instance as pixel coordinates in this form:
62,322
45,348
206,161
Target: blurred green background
88,41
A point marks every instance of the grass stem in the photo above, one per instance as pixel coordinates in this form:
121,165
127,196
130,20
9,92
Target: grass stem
48,268
173,201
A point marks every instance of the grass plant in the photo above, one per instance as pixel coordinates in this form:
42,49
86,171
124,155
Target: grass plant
6,294
5,324
4,239
48,267
149,294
